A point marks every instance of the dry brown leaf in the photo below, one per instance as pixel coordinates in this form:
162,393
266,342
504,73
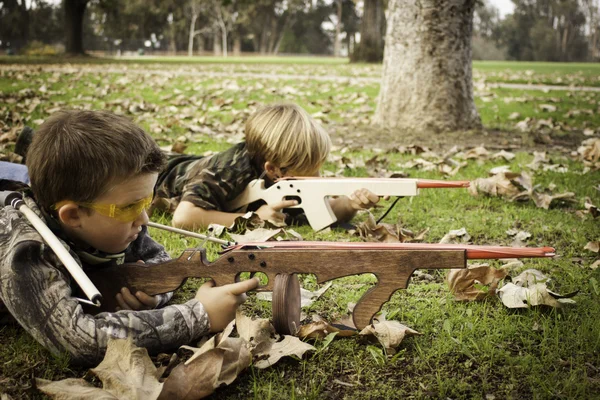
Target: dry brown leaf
371,231
256,235
543,200
593,246
290,345
218,362
72,388
463,282
456,236
259,333
547,107
514,296
127,371
591,208
320,329
590,150
529,289
497,185
389,333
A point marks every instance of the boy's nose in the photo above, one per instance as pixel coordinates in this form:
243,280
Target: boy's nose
142,219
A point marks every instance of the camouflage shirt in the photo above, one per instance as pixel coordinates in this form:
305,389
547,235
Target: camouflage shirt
38,291
207,182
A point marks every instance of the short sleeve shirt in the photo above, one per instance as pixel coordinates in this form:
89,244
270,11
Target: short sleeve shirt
207,182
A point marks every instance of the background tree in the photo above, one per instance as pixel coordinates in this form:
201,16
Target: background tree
74,12
372,30
427,80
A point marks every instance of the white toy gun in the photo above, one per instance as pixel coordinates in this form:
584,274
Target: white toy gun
312,193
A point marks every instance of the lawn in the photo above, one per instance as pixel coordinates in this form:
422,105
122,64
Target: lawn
467,349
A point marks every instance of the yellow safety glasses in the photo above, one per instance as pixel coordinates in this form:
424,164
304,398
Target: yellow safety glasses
128,213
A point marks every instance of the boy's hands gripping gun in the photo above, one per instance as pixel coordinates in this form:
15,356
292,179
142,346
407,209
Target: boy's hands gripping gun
312,193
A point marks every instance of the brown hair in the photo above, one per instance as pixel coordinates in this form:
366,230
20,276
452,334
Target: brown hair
78,155
286,135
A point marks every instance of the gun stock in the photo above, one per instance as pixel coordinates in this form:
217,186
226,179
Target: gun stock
313,193
392,265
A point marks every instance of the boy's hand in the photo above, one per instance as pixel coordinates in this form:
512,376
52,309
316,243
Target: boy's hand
273,212
221,302
363,199
139,301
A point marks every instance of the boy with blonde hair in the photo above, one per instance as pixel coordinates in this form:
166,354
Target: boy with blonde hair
92,176
280,140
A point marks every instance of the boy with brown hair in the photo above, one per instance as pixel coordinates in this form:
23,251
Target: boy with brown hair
92,176
280,140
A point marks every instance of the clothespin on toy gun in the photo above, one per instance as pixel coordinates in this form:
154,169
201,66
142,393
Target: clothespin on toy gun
312,193
15,200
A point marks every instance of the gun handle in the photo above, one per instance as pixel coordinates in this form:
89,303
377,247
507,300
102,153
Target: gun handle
371,302
318,212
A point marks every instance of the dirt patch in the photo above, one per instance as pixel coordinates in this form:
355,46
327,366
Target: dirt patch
368,137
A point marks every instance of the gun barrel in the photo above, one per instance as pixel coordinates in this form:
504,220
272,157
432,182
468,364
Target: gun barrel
433,184
474,252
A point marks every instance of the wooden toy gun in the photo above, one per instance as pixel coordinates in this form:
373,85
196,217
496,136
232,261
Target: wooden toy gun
391,263
312,193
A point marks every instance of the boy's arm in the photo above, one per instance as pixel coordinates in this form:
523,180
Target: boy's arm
191,217
35,288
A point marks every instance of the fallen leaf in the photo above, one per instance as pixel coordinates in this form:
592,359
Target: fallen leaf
389,333
256,235
593,246
456,236
544,200
320,329
72,388
514,296
290,345
126,372
547,107
467,283
530,277
519,237
259,332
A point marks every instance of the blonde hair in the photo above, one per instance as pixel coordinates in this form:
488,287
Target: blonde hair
287,136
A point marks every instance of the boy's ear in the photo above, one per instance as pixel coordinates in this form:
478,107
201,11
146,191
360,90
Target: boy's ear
69,215
272,171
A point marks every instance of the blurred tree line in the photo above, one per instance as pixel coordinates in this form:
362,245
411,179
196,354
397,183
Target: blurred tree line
537,30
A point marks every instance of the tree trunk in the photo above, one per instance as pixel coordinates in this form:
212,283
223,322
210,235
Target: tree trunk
427,80
370,48
74,11
217,43
337,46
192,34
237,44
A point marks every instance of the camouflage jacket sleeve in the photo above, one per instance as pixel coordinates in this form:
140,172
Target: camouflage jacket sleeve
36,289
214,181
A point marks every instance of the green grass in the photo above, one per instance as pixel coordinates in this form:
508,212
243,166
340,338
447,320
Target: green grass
466,350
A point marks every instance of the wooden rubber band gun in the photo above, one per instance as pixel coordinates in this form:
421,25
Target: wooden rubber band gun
312,193
391,263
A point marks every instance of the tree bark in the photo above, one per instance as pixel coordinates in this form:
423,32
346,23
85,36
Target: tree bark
338,27
217,51
237,45
74,11
370,48
427,82
192,34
